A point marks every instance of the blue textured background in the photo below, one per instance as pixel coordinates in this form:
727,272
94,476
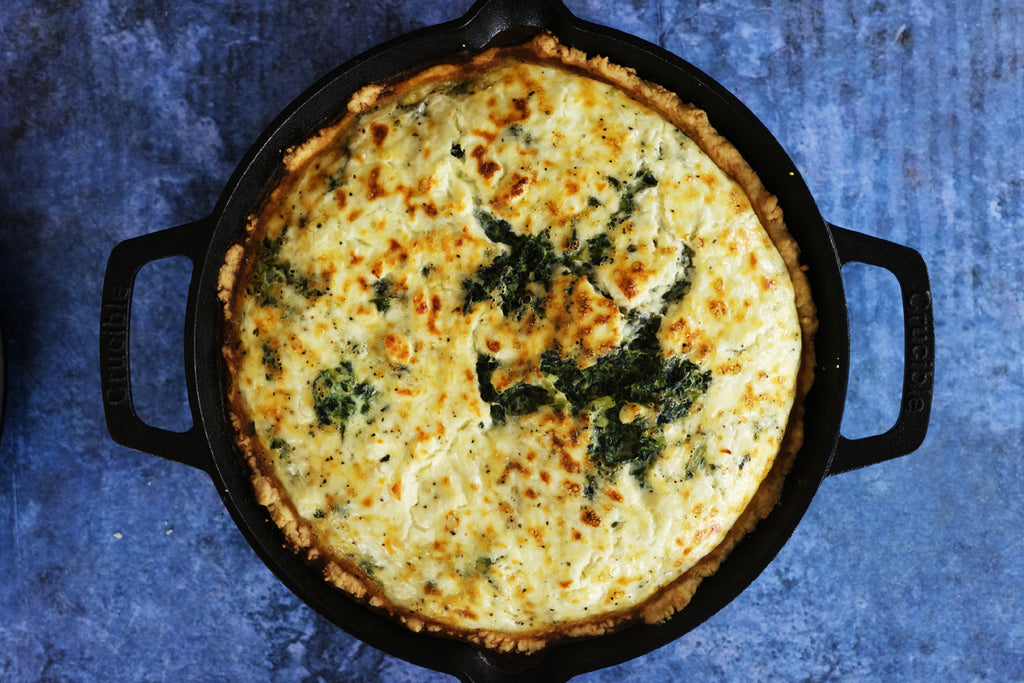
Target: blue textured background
118,118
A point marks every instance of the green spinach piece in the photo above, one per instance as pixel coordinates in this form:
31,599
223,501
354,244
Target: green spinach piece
635,373
383,293
337,395
283,448
598,249
521,398
698,460
675,388
506,280
635,445
485,367
274,277
681,286
641,180
271,360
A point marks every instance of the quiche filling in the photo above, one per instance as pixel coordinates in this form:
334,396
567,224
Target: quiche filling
509,353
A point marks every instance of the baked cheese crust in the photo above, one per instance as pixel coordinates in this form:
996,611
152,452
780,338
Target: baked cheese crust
513,347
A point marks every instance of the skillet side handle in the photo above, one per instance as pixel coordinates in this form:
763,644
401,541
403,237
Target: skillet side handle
919,351
124,425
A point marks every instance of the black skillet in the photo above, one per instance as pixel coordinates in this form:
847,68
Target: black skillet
825,249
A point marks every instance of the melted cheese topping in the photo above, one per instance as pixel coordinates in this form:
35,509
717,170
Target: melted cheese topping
439,286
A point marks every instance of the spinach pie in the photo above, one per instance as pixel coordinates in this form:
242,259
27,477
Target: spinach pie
516,349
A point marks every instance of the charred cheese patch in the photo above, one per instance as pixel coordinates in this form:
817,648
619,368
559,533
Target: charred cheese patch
513,350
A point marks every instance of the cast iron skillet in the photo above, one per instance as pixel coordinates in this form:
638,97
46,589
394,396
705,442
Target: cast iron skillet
208,443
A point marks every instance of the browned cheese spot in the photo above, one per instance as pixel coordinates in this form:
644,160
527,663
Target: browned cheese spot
485,167
378,131
374,190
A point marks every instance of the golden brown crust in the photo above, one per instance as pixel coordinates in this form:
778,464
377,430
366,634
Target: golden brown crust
353,580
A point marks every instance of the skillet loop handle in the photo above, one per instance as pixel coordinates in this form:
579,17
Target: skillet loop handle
510,22
919,351
124,425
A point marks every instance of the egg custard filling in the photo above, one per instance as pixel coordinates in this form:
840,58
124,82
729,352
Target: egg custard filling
516,349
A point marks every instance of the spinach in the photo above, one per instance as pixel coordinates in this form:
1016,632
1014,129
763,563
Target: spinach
496,229
485,367
274,277
675,388
383,293
337,179
337,395
681,286
640,181
620,375
698,460
519,399
508,278
517,132
466,87
283,448
636,373
271,360
635,445
598,249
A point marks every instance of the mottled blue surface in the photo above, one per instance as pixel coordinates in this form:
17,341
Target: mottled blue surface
118,118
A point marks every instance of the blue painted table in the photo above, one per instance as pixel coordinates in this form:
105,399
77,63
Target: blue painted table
118,118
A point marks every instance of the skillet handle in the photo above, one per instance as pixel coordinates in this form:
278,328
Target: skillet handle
124,425
919,351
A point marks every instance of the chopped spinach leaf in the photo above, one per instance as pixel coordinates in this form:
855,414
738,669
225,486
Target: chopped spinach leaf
271,360
466,87
283,448
698,460
383,293
274,277
517,132
369,567
485,367
598,249
640,181
508,278
635,373
676,388
681,286
496,229
519,399
635,445
337,395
